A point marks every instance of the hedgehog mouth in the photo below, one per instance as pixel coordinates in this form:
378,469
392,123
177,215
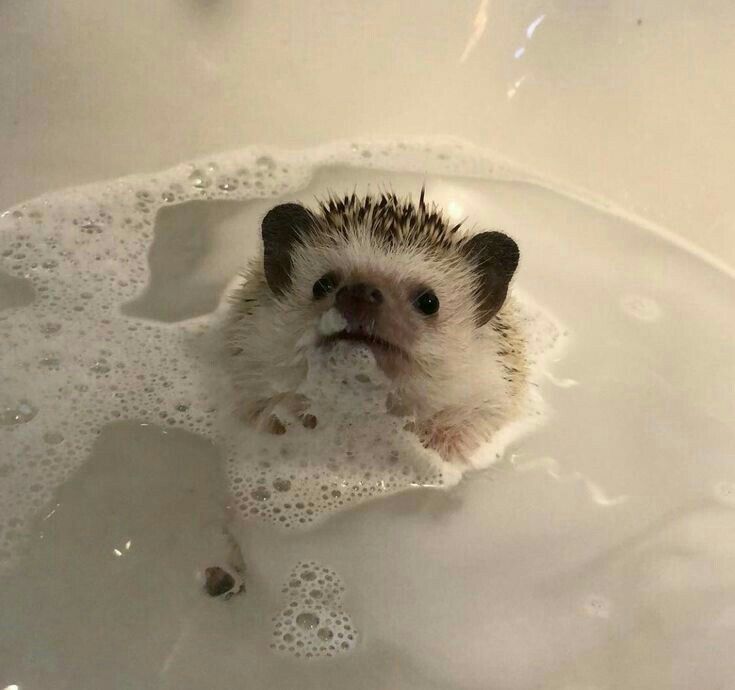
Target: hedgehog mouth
372,341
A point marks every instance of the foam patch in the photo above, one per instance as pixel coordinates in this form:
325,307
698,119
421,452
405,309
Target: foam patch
313,623
74,359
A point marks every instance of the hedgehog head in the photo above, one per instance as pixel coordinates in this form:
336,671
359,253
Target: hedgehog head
385,272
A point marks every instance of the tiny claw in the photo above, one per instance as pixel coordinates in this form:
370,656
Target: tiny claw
309,421
275,426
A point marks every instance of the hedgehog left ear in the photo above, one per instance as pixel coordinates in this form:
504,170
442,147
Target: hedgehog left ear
283,227
495,258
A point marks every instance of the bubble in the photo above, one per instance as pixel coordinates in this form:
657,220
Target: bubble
265,162
199,179
324,634
100,367
281,485
22,413
50,328
307,621
227,184
261,494
53,438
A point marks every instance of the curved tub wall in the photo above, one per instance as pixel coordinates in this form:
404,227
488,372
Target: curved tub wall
630,99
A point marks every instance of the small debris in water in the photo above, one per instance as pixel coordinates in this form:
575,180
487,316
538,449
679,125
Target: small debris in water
220,582
217,581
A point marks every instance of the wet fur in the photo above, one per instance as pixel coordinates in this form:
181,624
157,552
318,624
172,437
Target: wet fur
464,381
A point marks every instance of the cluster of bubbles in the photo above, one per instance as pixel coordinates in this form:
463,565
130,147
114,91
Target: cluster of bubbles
353,451
313,623
72,361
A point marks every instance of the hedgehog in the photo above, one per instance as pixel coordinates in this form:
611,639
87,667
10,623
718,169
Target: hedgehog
429,299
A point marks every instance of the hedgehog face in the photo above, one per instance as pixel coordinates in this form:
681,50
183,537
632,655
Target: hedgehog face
401,305
387,275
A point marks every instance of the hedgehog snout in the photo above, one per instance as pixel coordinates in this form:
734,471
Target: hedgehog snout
359,304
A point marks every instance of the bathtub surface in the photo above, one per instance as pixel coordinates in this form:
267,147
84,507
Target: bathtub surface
630,99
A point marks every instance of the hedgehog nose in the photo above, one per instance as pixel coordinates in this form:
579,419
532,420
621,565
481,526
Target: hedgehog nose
360,292
358,302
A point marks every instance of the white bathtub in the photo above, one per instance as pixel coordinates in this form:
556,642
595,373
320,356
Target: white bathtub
629,103
632,100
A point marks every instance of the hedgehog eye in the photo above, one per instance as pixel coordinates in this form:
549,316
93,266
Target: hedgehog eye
324,285
427,303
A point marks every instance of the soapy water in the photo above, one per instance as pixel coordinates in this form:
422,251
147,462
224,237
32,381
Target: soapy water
353,450
584,553
308,472
313,622
78,356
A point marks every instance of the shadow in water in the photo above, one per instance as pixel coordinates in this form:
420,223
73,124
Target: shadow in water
198,247
15,292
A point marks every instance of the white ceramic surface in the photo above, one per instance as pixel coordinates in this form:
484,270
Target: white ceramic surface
632,99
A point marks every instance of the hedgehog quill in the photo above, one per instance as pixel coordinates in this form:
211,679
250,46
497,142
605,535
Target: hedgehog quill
430,301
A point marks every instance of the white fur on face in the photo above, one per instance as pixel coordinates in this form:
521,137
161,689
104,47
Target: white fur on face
455,373
401,275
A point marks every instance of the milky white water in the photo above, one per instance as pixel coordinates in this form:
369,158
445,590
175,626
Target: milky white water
594,553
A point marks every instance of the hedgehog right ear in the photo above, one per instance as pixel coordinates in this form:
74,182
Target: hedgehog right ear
283,227
495,258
